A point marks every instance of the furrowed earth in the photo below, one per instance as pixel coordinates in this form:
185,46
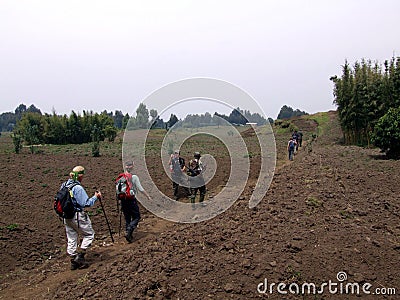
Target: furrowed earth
334,209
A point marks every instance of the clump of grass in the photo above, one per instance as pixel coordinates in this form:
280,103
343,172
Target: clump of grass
345,214
12,227
314,202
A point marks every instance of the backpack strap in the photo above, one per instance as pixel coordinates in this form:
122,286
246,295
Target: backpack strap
70,187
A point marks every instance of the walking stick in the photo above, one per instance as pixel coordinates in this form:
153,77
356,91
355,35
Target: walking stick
120,221
105,216
119,212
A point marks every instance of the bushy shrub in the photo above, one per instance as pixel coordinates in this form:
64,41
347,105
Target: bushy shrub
17,140
386,134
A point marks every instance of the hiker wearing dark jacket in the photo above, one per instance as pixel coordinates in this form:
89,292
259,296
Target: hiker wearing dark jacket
196,179
295,137
177,168
80,224
300,140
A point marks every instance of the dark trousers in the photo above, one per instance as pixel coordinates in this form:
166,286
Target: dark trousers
175,186
131,212
202,189
291,153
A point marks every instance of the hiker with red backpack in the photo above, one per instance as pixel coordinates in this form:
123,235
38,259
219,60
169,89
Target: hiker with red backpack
80,222
127,187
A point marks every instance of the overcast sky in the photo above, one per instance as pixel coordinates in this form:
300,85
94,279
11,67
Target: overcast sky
96,55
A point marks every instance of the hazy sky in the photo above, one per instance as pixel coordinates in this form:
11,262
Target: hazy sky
96,55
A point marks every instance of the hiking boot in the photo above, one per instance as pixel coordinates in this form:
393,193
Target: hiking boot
128,236
80,261
74,264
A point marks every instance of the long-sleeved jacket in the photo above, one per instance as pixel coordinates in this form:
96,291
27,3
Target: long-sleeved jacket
80,195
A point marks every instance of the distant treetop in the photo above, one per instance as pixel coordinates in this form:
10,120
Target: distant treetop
288,112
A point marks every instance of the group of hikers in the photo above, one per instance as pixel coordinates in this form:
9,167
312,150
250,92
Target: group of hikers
127,187
194,170
294,143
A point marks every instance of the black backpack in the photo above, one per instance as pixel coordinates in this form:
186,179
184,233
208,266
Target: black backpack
64,202
291,145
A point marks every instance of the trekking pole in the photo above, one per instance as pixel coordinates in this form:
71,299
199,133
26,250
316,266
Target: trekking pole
120,222
105,216
119,212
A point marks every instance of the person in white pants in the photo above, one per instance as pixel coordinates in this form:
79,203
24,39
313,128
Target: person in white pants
80,223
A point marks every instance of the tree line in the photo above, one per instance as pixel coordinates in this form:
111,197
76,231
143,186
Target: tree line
31,127
236,117
364,94
8,120
36,128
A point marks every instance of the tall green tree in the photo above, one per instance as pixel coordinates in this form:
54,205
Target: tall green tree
173,119
118,119
142,117
31,128
125,121
96,141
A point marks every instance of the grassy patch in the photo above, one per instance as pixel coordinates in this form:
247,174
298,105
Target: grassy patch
346,215
323,120
314,202
12,227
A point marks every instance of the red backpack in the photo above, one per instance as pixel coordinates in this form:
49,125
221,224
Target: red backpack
123,187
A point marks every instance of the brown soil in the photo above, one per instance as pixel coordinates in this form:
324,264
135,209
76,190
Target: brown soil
334,208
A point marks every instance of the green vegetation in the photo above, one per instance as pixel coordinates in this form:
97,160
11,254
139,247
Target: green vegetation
346,214
286,126
35,129
314,202
363,95
387,134
323,121
287,112
17,141
12,227
96,141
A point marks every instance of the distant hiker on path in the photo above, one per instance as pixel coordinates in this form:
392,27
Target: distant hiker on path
80,223
295,137
300,140
127,186
290,147
177,168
